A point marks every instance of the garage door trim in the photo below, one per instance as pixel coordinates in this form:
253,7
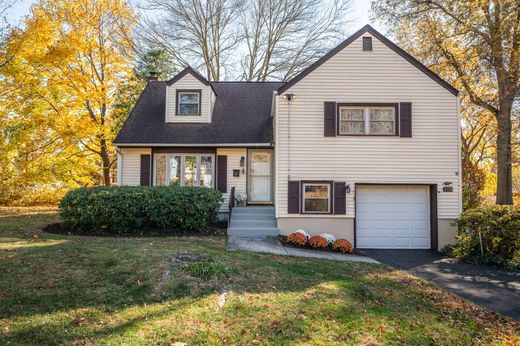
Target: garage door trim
434,224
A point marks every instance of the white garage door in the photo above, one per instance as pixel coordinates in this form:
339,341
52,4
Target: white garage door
392,217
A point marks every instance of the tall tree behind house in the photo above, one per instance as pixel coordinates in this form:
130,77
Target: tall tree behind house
475,44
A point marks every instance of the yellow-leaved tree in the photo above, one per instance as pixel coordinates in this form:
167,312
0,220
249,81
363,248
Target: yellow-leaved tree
67,63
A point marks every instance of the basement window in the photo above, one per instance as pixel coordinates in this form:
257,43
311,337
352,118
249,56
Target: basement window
316,197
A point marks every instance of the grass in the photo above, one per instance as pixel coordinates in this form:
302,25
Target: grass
58,289
207,270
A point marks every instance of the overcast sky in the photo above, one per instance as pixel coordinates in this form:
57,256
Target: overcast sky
360,12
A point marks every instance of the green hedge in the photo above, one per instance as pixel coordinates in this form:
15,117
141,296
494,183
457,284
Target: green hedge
489,235
139,209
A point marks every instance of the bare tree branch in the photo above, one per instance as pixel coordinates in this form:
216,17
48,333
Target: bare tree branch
203,33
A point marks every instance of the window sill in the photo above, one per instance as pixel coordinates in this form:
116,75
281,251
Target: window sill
353,135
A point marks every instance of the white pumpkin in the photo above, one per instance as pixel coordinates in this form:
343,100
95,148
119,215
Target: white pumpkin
303,232
330,238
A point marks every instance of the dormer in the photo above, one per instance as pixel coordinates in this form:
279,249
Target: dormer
189,98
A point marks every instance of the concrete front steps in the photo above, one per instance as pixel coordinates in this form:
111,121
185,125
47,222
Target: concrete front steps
253,222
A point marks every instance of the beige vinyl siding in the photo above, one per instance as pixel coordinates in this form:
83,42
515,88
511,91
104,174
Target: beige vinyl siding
233,162
131,165
188,82
430,156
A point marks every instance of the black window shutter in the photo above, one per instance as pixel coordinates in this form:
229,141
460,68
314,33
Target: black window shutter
293,200
222,173
405,118
340,202
330,119
145,170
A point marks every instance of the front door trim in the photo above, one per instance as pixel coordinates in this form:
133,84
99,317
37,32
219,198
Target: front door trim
248,175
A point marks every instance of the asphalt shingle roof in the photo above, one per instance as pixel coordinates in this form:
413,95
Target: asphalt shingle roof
242,114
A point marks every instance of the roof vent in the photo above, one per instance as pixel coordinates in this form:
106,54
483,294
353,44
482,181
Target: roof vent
367,43
153,76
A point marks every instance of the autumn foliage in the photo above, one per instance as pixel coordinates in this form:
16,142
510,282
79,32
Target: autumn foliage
318,242
297,238
59,105
342,245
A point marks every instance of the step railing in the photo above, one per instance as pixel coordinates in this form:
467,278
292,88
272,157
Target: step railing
231,204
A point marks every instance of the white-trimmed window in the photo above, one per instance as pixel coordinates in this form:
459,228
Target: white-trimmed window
316,197
367,120
188,102
184,170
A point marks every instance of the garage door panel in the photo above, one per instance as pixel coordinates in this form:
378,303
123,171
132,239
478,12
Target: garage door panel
421,225
421,243
392,217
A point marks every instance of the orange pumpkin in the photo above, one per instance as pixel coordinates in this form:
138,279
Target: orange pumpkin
297,238
318,242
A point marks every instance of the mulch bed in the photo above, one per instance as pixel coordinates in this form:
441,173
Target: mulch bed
283,241
55,228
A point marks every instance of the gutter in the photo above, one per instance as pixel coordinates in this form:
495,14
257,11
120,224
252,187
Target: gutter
122,145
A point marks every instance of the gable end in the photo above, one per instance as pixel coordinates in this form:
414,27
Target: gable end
384,40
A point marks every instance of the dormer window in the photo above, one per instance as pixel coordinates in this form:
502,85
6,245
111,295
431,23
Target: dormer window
188,102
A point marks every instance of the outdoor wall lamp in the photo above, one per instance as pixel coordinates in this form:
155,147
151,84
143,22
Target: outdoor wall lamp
242,160
289,97
347,188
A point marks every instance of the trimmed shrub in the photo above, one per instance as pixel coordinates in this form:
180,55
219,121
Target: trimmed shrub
297,238
318,242
489,235
139,209
342,245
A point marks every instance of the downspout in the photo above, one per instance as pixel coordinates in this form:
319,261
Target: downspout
288,139
459,151
119,167
289,97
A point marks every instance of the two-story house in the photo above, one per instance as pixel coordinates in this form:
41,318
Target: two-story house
363,144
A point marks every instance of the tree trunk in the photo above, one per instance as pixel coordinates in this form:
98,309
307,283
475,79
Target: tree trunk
105,159
504,173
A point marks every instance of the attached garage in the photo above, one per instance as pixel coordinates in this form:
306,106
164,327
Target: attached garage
394,217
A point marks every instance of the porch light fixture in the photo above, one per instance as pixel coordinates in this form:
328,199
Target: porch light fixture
289,97
347,188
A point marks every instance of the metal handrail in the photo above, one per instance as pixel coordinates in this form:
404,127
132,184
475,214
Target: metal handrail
231,203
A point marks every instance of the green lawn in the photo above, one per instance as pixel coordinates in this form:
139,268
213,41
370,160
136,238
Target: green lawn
112,291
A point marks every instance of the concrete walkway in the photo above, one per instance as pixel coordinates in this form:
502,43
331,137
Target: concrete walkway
273,246
492,288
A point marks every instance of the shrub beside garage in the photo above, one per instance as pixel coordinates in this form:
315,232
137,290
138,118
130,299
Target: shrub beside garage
489,235
139,209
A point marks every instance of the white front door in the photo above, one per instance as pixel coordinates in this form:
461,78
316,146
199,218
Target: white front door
260,167
392,217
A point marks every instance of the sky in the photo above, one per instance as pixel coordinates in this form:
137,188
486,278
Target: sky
360,13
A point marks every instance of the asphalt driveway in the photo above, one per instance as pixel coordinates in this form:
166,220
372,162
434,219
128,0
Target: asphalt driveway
494,289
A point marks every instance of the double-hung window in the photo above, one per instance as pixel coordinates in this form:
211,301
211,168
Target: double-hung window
316,197
188,102
368,120
184,170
